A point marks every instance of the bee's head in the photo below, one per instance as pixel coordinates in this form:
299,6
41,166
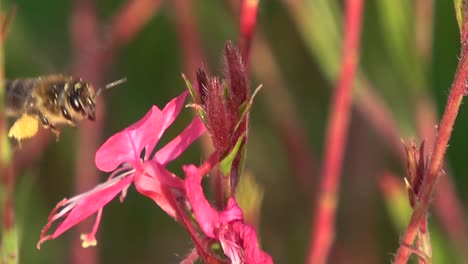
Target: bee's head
81,99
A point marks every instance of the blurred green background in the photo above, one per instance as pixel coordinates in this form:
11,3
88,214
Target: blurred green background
306,50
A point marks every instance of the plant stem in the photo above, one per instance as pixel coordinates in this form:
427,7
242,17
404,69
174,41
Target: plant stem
323,226
248,21
189,41
93,64
9,241
85,26
433,172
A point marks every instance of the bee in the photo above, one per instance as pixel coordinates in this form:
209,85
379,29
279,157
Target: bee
49,101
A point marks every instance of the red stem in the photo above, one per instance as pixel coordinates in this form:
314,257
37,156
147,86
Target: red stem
433,172
447,206
85,26
248,21
8,180
131,19
189,37
323,226
7,176
92,64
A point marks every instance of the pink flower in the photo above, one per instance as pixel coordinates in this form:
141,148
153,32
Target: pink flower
128,155
238,240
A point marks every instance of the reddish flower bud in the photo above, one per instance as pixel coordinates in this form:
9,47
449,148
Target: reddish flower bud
416,166
202,81
220,122
226,105
223,102
237,77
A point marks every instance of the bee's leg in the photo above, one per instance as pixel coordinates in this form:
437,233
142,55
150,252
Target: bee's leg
55,131
46,123
66,114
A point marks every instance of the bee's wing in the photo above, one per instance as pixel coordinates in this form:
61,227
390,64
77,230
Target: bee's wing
17,93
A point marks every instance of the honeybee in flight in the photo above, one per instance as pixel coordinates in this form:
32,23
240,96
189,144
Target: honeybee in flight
50,100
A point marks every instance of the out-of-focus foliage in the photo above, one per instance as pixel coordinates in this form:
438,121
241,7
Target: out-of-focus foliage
305,43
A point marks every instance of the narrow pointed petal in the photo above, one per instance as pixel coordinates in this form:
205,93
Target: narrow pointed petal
126,146
179,144
88,206
207,217
169,114
172,109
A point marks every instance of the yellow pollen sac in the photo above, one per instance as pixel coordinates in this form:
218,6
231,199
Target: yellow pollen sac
88,241
25,127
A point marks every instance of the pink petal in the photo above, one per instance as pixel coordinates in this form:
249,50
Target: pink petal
207,217
150,185
179,144
172,109
248,243
232,212
91,204
169,113
126,146
160,173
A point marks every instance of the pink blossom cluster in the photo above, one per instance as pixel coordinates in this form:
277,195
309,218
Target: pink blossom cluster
131,159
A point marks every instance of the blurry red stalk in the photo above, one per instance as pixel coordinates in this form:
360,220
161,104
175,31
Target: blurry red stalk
248,21
322,234
92,64
434,169
131,19
6,169
423,28
189,37
8,234
85,26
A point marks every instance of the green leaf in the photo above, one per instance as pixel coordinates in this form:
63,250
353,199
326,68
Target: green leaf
459,7
200,111
249,196
397,22
225,89
396,200
190,87
246,106
10,246
319,24
226,164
